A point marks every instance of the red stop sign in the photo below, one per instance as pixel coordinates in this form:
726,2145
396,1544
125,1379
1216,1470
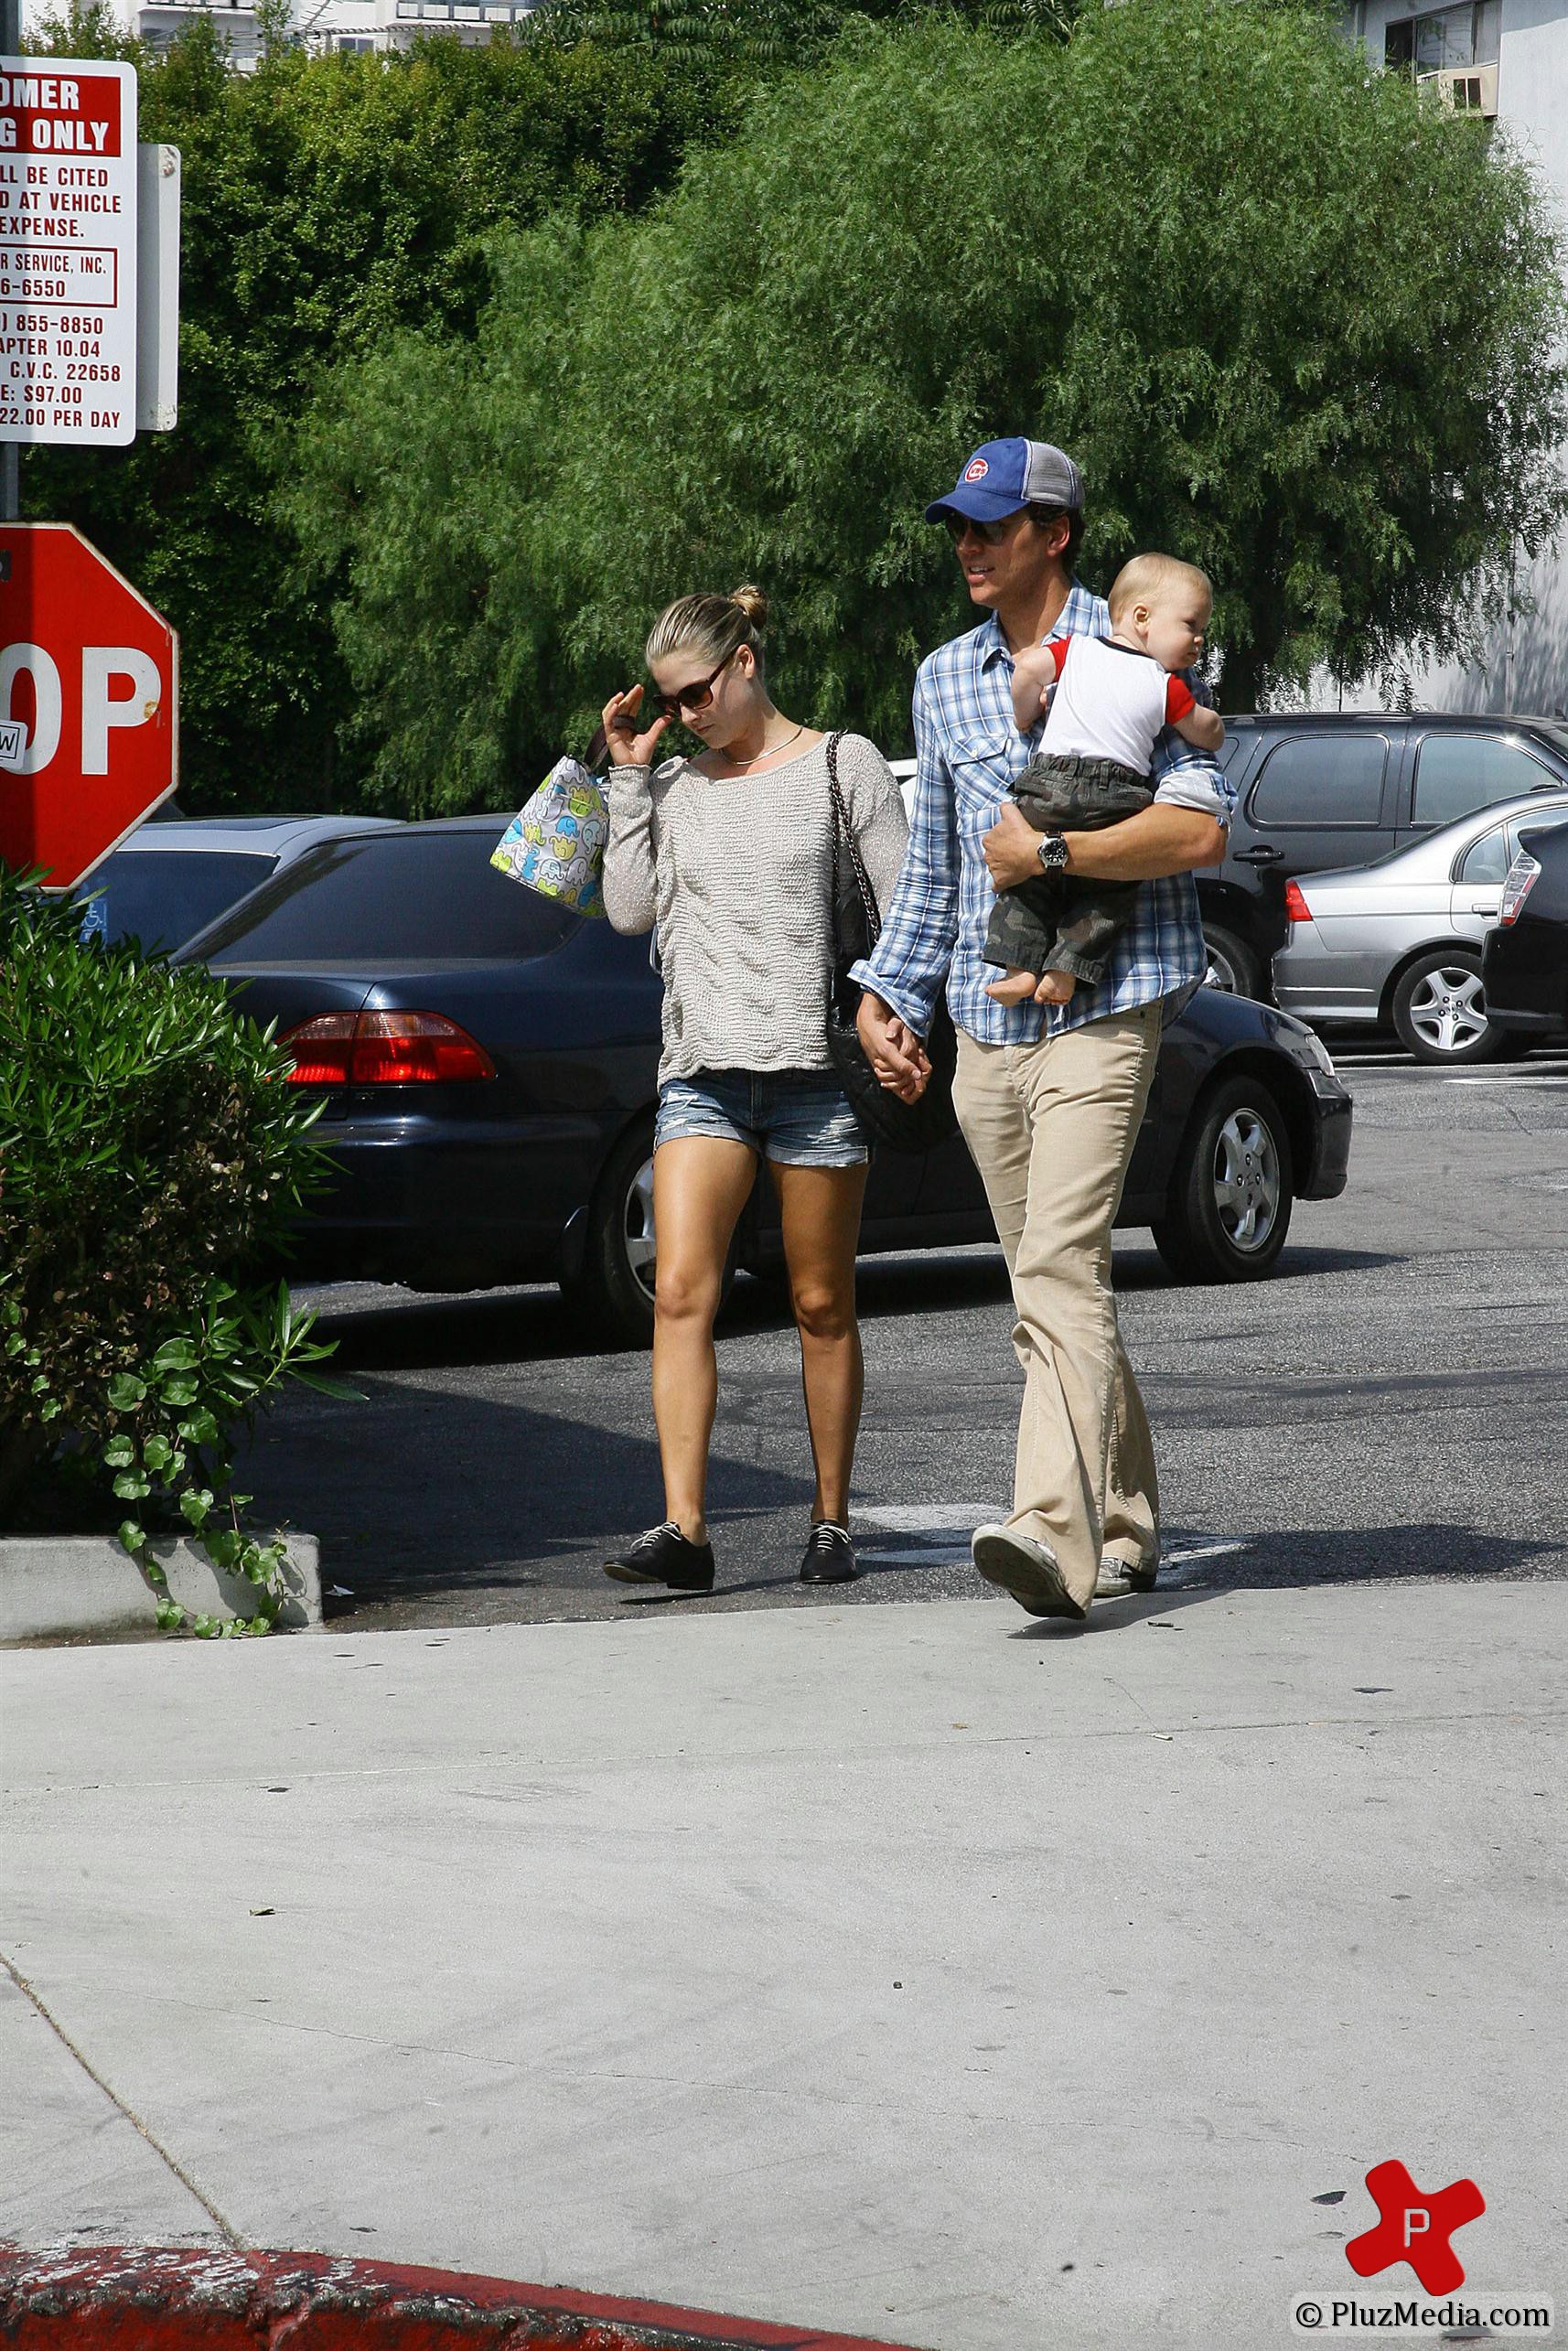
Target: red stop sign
89,704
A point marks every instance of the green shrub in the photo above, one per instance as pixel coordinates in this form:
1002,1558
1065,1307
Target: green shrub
151,1159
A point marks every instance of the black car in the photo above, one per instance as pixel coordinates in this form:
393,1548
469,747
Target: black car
1524,963
489,1059
1320,790
173,877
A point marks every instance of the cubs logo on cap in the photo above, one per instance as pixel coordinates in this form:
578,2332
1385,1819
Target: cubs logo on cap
1004,476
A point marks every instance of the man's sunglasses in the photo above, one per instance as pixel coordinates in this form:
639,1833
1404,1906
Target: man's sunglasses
993,533
695,697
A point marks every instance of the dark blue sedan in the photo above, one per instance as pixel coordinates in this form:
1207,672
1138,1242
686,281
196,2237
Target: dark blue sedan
490,1057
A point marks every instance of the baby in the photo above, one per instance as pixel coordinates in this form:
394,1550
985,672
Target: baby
1109,699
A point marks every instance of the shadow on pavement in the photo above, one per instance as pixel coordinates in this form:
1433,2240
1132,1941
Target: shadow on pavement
1434,1551
391,1330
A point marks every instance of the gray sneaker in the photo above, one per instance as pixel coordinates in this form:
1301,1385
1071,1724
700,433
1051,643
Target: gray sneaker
1025,1568
1119,1577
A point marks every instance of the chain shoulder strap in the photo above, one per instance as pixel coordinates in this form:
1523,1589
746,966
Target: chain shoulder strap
843,827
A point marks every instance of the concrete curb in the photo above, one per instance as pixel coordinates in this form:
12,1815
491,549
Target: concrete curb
135,2298
73,1587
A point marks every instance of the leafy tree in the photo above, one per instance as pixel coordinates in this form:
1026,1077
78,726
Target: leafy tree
1297,325
763,33
327,201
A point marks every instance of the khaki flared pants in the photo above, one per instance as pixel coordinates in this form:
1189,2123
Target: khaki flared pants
1051,1128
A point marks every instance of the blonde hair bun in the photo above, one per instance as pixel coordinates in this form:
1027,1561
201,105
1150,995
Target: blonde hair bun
752,602
709,628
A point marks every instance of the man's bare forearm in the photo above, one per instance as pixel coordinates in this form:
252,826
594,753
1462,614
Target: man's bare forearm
1160,840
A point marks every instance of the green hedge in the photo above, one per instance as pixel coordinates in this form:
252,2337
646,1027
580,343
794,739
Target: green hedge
151,1160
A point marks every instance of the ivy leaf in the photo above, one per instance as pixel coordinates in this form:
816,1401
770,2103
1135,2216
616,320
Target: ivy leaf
157,1452
126,1391
131,1485
119,1452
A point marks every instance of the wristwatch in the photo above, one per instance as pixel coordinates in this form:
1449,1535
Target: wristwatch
1052,852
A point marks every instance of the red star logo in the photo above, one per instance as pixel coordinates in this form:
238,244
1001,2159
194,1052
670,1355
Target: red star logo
1415,2228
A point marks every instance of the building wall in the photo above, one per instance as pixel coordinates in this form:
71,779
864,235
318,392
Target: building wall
1524,667
321,24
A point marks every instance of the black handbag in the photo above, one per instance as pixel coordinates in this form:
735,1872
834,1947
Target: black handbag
884,1117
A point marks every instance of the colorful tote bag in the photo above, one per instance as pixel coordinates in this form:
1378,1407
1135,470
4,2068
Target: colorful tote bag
556,843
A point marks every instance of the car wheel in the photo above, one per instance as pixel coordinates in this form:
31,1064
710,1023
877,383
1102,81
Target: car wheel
1440,1013
1233,968
615,1290
1232,1190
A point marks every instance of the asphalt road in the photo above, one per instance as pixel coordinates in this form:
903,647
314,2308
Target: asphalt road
1389,1404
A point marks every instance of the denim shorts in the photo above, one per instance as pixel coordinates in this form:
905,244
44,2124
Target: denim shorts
796,1118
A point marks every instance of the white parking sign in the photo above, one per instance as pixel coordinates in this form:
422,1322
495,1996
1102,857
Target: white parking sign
67,252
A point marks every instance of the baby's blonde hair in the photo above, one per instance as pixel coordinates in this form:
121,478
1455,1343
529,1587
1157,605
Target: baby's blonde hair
1148,579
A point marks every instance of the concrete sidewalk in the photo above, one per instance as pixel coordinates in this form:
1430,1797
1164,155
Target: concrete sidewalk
911,1971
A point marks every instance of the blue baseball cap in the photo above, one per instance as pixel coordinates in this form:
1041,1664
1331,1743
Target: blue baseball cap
1003,476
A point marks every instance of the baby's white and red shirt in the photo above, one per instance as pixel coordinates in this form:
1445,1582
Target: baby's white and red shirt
1110,702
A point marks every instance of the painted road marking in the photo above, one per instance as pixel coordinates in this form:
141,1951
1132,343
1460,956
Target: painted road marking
941,1533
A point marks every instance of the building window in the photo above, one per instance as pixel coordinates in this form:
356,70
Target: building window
1444,38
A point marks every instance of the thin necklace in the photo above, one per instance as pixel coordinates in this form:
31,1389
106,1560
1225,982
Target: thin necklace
766,753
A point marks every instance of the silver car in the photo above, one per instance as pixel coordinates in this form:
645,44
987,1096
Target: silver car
1398,944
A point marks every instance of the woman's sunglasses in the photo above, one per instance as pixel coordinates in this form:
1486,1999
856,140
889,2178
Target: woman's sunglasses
695,697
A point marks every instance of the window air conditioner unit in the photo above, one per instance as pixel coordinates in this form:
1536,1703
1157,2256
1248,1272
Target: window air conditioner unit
1466,89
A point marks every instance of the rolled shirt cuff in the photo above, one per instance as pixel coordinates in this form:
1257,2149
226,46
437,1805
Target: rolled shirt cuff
1191,791
909,1007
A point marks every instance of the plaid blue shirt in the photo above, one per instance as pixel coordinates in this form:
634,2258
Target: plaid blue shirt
968,749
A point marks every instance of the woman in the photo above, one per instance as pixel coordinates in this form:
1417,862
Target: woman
729,855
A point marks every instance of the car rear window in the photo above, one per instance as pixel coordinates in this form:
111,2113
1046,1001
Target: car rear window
164,897
393,898
1321,779
1489,859
1457,773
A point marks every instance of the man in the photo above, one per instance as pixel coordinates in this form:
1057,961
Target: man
1049,1101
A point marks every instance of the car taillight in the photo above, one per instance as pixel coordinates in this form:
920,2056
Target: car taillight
399,1048
1296,907
323,1049
1523,874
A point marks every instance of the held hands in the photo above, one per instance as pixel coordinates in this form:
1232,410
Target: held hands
627,749
1012,848
893,1050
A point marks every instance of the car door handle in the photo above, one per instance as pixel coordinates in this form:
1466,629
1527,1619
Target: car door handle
1487,911
1261,856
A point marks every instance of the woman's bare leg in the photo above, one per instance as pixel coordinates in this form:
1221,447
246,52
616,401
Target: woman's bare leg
701,1182
821,1211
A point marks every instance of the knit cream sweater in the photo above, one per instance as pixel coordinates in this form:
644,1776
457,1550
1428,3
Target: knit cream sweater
735,878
